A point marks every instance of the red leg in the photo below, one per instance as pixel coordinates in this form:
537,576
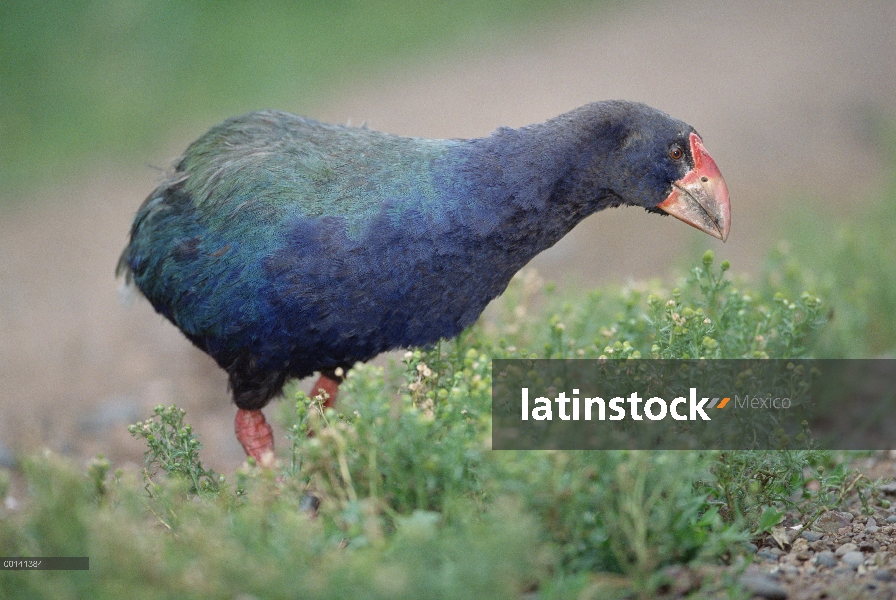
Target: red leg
328,385
329,389
255,435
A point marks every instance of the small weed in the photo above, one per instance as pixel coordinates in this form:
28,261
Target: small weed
707,316
174,449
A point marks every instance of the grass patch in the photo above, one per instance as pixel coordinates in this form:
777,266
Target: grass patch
414,504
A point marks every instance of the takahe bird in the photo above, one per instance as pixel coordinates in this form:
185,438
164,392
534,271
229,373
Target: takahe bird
282,246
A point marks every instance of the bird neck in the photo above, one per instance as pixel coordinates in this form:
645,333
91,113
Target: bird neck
539,182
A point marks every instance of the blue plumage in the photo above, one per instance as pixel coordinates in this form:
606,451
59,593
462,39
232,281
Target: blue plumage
283,246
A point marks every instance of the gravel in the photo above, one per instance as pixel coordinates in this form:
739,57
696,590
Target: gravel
763,586
767,555
826,559
810,536
853,559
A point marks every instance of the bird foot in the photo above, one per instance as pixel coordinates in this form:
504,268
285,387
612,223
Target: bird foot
256,436
328,388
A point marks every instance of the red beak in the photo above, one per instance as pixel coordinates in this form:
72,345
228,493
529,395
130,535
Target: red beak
700,198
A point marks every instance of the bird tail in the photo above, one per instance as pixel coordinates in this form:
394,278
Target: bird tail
123,268
127,291
157,198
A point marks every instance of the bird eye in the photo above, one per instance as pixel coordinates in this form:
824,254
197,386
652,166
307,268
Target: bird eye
675,153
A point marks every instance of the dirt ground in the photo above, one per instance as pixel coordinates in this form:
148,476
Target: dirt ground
785,96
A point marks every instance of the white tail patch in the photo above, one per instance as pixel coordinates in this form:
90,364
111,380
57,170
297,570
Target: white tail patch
127,293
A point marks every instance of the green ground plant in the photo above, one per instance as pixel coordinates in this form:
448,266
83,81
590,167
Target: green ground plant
413,501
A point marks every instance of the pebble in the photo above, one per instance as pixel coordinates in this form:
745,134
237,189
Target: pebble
789,569
867,546
309,503
844,570
884,575
847,547
891,519
811,536
826,559
832,521
767,555
853,559
763,586
871,525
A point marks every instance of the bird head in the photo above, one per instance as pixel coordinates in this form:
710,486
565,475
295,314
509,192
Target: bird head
632,154
666,169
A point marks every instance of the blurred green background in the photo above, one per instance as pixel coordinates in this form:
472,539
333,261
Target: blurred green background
82,81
